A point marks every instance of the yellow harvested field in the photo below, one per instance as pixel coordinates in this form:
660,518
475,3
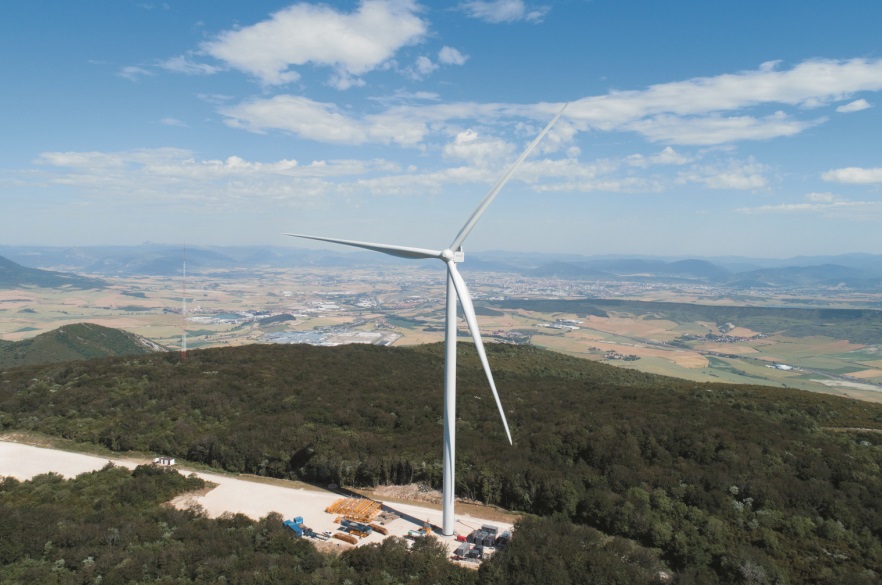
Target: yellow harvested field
733,348
683,358
414,337
656,329
867,374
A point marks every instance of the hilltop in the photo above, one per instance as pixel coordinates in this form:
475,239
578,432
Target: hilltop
720,480
13,275
79,341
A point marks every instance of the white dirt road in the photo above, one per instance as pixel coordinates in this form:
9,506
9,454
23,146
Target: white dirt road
235,494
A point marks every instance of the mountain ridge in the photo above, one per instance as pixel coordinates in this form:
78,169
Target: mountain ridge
859,270
14,275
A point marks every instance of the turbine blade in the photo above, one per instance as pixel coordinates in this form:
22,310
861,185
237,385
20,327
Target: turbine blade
469,309
488,199
400,251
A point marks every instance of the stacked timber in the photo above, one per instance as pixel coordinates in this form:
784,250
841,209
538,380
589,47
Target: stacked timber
356,509
346,538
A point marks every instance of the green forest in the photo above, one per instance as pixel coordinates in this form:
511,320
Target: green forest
619,472
110,527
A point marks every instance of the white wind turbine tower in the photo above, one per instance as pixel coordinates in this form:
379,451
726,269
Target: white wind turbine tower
456,287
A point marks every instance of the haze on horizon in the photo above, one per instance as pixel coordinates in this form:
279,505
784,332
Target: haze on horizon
694,129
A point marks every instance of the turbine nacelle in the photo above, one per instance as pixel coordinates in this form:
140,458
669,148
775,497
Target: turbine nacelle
449,255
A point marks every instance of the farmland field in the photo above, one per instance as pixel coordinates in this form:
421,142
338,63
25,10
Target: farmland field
834,349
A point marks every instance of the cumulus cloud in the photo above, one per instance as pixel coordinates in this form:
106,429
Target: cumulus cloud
450,56
317,34
422,67
500,11
703,111
476,149
855,175
855,106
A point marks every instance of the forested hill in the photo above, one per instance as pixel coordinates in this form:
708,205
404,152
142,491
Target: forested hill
13,275
727,482
78,341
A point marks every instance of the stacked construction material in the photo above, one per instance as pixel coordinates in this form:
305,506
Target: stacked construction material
361,510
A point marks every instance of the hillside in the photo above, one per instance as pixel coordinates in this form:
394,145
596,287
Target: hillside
14,275
722,480
80,341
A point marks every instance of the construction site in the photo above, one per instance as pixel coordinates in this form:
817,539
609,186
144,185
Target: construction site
328,517
359,520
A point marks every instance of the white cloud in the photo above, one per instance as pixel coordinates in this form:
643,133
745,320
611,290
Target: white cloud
854,175
450,56
701,111
133,73
343,81
739,175
479,150
825,204
307,118
177,175
717,129
690,112
351,43
499,11
855,106
185,64
668,156
422,67
325,122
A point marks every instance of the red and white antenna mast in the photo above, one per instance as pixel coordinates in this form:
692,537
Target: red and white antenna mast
184,312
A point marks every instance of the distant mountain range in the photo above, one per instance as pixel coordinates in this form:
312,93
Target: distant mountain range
79,341
13,275
853,271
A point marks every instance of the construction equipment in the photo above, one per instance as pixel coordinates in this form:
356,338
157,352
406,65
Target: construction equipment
356,528
424,530
486,536
296,525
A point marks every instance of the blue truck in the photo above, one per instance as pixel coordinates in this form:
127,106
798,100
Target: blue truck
296,525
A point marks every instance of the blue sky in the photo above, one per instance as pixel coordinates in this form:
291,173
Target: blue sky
694,128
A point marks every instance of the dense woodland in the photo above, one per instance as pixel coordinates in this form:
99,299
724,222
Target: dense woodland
721,483
110,527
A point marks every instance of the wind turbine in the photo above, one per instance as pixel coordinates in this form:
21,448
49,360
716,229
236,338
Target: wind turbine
456,288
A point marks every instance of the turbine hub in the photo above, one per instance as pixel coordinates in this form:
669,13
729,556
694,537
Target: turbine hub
447,255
